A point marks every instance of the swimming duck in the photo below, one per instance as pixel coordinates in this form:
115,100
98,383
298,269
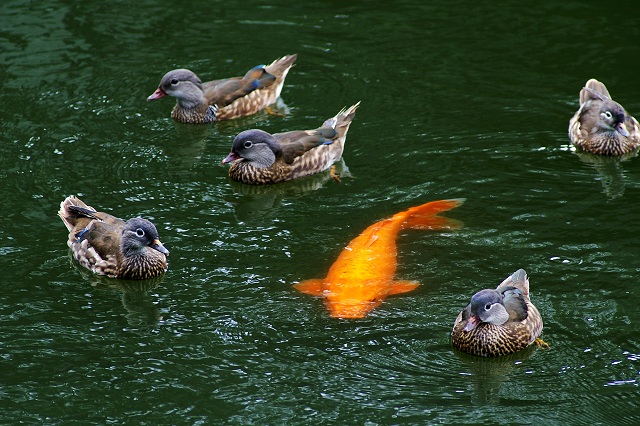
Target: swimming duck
107,245
225,99
601,125
499,322
260,158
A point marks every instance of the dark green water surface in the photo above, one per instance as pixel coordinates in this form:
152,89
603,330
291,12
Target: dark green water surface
459,100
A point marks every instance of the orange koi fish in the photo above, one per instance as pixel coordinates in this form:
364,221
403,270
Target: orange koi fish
363,275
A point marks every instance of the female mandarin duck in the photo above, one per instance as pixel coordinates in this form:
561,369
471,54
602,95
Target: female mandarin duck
110,246
198,102
259,158
601,125
499,322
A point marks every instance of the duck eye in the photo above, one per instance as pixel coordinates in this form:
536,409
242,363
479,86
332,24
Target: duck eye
174,82
608,115
248,144
140,232
487,307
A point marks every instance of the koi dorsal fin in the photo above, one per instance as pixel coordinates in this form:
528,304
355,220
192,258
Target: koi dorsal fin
374,232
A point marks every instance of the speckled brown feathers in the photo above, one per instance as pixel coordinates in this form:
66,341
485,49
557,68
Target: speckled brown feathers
601,125
109,246
259,158
492,340
521,326
225,99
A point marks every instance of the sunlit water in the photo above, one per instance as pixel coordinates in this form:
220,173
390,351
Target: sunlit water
458,101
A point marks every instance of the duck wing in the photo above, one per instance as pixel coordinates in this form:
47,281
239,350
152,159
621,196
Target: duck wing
224,92
515,304
297,143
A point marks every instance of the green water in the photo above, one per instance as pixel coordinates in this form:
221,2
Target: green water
459,100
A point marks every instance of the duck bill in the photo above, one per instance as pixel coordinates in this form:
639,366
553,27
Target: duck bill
157,245
622,129
159,93
231,157
472,322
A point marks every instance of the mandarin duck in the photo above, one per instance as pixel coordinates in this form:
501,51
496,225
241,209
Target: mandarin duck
601,125
499,322
109,246
225,99
259,158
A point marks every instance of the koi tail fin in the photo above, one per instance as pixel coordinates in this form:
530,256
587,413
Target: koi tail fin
425,215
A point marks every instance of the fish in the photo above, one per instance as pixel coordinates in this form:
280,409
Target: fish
364,273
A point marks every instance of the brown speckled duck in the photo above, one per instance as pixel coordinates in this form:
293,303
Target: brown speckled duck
260,158
199,103
601,125
499,322
110,246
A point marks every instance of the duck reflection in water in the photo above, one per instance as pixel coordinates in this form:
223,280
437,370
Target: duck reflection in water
486,375
253,202
610,171
142,312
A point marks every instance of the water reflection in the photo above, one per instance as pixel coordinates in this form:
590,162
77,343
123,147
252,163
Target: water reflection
610,171
456,108
184,146
142,313
260,201
486,375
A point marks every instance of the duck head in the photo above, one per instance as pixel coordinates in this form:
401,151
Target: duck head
486,306
257,147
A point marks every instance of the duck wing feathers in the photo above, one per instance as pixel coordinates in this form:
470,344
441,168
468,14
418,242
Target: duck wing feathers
297,143
223,92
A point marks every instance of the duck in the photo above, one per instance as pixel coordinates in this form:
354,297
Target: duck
601,125
499,321
260,158
225,99
107,245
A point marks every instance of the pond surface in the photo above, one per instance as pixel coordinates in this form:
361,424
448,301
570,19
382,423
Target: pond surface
467,100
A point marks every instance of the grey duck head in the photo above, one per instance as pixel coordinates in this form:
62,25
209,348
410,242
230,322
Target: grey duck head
139,233
611,118
611,115
182,84
486,306
257,147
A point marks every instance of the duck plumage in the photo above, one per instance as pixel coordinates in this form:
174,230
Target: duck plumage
259,158
224,99
498,321
601,125
110,246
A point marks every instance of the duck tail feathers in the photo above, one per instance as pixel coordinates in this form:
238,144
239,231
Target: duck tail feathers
343,118
72,208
